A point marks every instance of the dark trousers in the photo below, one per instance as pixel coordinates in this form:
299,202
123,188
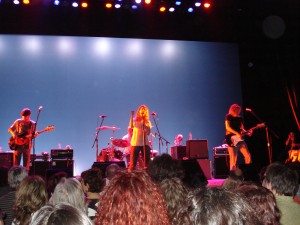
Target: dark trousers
18,152
135,153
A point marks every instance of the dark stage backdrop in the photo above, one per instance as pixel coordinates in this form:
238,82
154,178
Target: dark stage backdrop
189,84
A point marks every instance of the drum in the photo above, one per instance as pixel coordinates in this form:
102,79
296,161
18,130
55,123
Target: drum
104,155
294,156
118,154
153,153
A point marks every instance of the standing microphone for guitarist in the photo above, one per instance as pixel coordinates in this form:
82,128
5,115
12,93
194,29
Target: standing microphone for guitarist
234,129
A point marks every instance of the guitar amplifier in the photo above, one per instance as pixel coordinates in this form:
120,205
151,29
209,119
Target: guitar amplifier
61,153
220,151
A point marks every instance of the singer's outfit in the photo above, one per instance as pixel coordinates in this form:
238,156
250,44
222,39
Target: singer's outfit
138,141
235,122
21,129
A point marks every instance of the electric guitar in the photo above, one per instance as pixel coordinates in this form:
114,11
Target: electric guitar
232,139
24,139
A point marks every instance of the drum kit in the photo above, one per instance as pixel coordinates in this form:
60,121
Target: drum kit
112,153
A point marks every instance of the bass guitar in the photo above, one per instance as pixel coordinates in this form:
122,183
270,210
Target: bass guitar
232,139
24,139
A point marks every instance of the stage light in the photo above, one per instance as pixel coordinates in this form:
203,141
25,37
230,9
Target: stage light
75,4
206,5
147,2
16,2
57,2
162,9
178,3
117,6
26,2
190,10
134,7
172,9
84,5
138,1
197,4
108,5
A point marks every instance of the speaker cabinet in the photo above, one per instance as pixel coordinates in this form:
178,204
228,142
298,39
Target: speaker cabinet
197,149
63,164
221,166
39,168
178,152
7,159
205,165
103,165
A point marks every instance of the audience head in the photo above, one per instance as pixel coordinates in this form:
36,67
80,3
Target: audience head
215,205
175,193
234,178
60,214
262,201
92,181
163,167
69,190
31,195
15,175
54,180
281,179
132,198
111,170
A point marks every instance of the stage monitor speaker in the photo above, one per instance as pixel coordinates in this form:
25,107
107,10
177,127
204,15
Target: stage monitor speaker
178,152
205,165
7,159
197,149
194,176
103,165
221,166
39,168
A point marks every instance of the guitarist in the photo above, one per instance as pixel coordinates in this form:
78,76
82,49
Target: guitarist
22,132
234,126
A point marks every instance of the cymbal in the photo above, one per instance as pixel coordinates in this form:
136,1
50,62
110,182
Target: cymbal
108,128
121,143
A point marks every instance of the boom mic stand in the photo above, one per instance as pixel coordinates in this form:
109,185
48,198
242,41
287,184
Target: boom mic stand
160,138
33,139
96,138
268,137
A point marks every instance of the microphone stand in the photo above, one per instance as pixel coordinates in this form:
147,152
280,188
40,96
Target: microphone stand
97,140
268,137
160,138
33,141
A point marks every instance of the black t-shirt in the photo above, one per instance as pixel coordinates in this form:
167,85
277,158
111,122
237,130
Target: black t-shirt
234,122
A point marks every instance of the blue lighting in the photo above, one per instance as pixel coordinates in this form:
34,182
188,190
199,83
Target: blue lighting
56,2
134,7
190,9
197,4
178,3
75,4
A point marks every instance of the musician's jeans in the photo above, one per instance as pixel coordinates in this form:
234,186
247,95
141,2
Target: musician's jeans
233,154
135,153
18,152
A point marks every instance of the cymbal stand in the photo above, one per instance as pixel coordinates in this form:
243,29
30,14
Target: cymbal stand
160,138
96,140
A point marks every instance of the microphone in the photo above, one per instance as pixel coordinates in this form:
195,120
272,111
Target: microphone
40,108
248,110
153,114
102,116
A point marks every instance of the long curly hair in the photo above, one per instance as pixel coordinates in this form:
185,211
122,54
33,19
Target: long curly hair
31,195
146,117
131,198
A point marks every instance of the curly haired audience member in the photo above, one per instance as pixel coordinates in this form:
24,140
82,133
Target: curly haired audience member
233,180
215,205
69,190
262,201
92,183
132,198
284,183
31,195
60,214
15,175
175,193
